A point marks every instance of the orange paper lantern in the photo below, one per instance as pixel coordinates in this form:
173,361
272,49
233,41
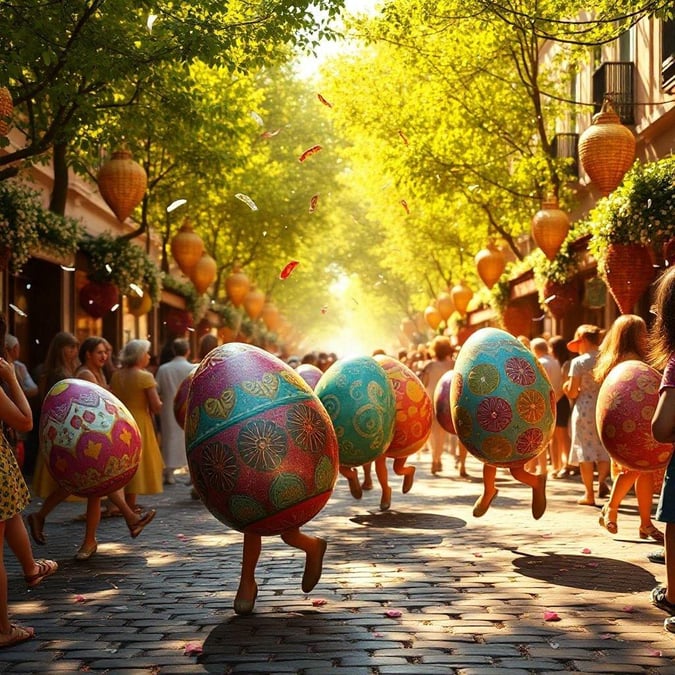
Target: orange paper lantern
254,303
187,247
237,285
550,226
6,110
204,273
461,295
445,305
122,182
490,263
606,149
433,317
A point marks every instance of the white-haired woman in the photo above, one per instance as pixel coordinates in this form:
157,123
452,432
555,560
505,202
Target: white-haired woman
137,389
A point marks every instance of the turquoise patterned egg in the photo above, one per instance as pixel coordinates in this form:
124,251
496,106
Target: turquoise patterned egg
501,401
360,400
88,438
261,448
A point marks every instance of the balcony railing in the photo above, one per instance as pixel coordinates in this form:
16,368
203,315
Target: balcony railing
615,79
566,146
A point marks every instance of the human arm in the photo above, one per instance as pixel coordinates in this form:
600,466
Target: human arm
151,393
27,383
663,422
14,407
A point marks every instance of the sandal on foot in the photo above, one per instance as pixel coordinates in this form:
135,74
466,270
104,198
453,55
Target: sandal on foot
385,499
651,531
658,598
85,552
137,528
408,480
245,606
480,508
16,635
45,568
313,568
604,520
35,529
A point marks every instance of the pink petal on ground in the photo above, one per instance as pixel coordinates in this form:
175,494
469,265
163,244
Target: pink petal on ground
377,634
655,652
629,609
477,555
551,616
319,602
592,565
193,649
393,613
605,636
80,598
586,550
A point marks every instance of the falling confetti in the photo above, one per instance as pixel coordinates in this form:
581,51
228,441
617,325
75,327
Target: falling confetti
18,310
404,204
324,101
551,616
319,602
151,21
313,203
258,120
270,134
193,649
288,269
393,613
247,200
404,138
309,152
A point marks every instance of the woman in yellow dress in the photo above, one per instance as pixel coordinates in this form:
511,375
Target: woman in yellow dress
137,389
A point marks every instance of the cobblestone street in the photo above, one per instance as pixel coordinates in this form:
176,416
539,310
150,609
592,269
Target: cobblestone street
423,588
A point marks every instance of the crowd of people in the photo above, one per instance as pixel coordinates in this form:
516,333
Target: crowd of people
575,369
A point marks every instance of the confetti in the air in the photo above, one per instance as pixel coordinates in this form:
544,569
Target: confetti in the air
151,21
551,616
313,203
247,200
309,152
324,101
404,204
18,310
258,120
270,134
288,269
404,138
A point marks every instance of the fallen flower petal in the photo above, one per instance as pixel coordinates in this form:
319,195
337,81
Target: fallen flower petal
655,652
605,636
288,268
309,152
313,203
393,613
324,101
193,649
551,616
80,598
586,550
319,602
247,200
628,609
404,138
404,204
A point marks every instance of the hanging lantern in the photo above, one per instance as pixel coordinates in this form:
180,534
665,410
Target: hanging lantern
187,248
433,317
204,273
445,305
550,226
97,299
237,285
271,316
254,303
490,263
629,270
461,295
6,110
606,149
122,182
138,305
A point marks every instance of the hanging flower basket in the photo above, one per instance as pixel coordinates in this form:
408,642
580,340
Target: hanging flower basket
6,109
629,269
97,299
560,298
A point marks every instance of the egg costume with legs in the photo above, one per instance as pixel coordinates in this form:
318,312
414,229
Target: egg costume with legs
262,453
503,409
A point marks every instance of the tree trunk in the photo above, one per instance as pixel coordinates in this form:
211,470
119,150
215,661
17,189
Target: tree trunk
59,195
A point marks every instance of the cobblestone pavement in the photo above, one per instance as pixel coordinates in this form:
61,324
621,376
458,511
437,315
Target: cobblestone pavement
424,588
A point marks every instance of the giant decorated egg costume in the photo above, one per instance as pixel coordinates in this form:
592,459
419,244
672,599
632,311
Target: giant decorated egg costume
309,373
180,400
442,402
261,448
626,403
88,438
360,400
501,401
414,412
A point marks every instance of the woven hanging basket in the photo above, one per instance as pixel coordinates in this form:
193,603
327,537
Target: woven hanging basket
237,285
433,317
97,299
6,110
122,183
490,263
254,303
461,295
629,270
139,305
560,298
445,305
187,247
204,273
606,149
550,226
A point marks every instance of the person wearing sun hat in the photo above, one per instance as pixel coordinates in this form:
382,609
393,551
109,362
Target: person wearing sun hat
587,449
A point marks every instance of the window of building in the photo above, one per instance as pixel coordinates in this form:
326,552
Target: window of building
668,55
